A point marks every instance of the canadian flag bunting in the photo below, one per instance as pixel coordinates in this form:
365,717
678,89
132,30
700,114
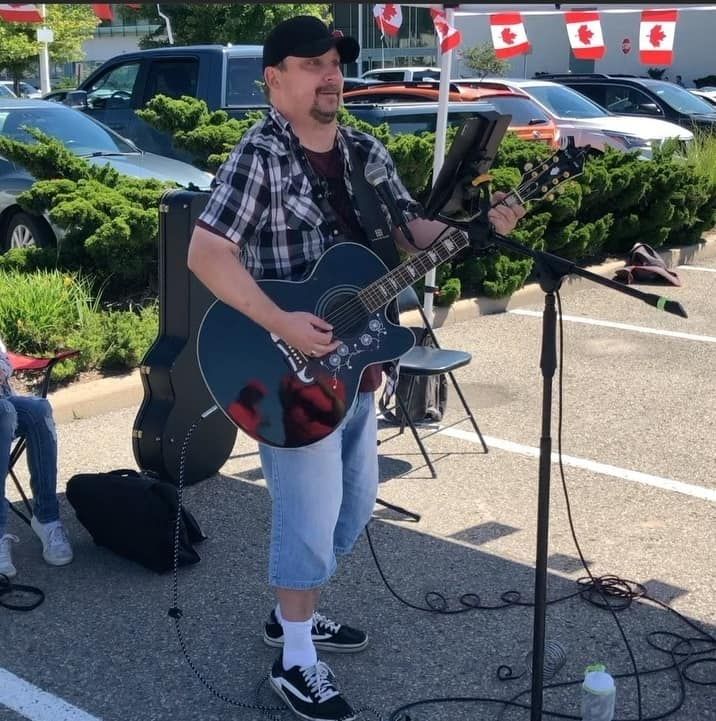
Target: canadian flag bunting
585,35
103,11
656,36
20,13
388,18
509,37
448,36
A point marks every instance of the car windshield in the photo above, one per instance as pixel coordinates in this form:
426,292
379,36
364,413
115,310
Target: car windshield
76,131
565,102
681,99
523,110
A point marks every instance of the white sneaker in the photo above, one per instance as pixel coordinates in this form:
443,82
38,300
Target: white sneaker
56,549
6,566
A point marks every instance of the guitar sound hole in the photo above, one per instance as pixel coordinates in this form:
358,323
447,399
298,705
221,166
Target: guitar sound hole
344,312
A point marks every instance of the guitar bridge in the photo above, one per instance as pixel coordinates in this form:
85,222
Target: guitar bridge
297,362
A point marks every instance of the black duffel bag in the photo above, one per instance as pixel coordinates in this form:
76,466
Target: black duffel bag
134,516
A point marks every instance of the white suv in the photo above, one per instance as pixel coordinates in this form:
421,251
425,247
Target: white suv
589,123
399,75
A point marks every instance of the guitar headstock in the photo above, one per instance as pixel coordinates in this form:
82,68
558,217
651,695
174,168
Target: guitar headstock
543,179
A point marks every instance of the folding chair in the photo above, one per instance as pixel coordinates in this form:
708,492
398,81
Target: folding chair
423,361
44,366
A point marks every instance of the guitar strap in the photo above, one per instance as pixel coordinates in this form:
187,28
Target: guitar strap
373,220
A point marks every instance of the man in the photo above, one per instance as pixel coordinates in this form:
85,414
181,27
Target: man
283,196
31,417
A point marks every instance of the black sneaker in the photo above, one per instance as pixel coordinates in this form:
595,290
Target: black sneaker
310,692
326,635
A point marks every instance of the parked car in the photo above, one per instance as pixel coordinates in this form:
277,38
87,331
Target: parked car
590,124
88,139
6,92
407,92
643,97
708,94
350,83
528,121
392,75
25,89
225,78
56,96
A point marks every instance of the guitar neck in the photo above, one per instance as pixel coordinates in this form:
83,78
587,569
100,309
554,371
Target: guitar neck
383,290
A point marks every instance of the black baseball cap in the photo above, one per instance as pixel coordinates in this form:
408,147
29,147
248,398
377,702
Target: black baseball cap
306,36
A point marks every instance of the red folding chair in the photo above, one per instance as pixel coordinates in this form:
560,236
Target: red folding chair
43,367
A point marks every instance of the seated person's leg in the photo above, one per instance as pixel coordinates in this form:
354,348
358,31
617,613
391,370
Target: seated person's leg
35,422
8,422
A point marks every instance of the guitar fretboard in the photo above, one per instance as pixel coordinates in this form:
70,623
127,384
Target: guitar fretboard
383,290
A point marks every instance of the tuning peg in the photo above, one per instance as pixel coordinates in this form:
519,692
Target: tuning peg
534,175
555,181
550,196
555,159
528,166
544,189
566,174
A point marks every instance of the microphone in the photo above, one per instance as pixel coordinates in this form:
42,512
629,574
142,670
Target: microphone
377,176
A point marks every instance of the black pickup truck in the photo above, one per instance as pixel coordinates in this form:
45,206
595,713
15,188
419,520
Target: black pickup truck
225,77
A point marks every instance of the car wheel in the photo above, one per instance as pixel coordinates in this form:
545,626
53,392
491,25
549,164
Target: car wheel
25,231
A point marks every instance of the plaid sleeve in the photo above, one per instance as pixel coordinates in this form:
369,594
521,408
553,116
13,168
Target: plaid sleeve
239,202
5,371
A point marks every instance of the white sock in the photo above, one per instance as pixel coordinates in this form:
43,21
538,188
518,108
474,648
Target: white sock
298,648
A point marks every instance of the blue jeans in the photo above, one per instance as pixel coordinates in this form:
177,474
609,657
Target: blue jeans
322,498
31,417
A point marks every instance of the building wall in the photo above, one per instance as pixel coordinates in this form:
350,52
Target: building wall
694,49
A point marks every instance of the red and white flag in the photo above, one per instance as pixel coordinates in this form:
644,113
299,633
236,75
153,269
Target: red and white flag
103,11
585,34
656,36
388,18
509,36
448,35
20,13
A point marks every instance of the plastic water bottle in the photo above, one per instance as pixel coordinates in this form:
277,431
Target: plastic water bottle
598,694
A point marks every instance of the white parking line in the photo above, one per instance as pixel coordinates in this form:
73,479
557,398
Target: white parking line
35,704
620,326
696,267
666,484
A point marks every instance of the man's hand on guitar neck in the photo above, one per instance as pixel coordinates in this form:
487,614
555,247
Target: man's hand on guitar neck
503,218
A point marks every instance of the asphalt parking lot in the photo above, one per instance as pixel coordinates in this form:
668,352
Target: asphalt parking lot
639,446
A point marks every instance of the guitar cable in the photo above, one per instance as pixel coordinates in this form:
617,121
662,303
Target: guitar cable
606,592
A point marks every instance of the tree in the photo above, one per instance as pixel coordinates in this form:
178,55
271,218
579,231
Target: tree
483,61
19,49
240,23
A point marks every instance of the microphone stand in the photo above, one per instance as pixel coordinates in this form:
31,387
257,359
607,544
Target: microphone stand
551,271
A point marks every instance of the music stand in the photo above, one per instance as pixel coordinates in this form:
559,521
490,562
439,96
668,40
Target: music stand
455,196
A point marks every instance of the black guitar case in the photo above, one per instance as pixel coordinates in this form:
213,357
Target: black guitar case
175,395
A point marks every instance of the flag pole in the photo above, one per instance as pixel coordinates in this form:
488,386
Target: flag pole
440,131
359,59
44,55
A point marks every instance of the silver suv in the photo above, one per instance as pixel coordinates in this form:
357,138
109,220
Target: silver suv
589,123
398,75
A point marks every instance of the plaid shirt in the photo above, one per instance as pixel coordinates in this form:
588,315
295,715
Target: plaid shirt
267,198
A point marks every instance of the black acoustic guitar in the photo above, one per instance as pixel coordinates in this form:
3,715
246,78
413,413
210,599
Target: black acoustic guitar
283,398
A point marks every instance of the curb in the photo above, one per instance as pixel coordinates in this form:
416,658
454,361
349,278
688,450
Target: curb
85,400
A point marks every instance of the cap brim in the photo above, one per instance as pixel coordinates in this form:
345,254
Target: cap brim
347,48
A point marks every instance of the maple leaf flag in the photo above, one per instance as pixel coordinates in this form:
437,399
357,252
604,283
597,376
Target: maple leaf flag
102,10
388,18
509,37
656,36
448,36
585,35
20,13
